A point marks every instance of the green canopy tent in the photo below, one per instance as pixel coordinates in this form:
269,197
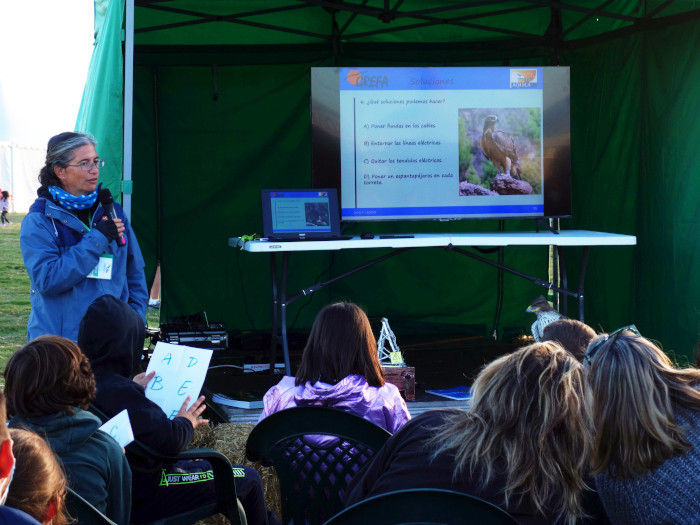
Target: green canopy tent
197,105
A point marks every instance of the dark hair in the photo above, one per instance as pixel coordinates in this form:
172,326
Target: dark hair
341,343
573,335
6,194
39,481
46,376
59,152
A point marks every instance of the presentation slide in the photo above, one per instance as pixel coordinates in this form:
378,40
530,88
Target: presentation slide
300,211
436,142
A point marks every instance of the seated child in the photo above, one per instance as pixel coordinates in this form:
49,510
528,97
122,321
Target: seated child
112,336
49,386
572,334
38,486
340,368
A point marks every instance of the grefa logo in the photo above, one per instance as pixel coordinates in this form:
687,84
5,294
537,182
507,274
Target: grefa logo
523,77
359,79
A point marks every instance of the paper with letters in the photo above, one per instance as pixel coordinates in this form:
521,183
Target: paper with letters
119,427
180,372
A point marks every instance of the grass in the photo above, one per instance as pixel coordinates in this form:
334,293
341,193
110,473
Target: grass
14,293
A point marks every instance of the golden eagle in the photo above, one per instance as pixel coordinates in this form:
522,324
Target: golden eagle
499,148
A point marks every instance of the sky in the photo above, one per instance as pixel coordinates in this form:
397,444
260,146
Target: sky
45,50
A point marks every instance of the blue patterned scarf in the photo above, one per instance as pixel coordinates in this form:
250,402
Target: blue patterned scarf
73,202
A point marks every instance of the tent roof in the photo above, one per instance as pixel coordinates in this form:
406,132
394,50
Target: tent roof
509,24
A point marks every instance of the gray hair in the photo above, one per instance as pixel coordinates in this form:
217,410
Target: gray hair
59,152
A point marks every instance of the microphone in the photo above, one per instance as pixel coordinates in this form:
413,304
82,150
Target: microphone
105,198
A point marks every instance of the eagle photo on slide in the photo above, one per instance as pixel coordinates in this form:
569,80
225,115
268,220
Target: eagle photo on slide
499,148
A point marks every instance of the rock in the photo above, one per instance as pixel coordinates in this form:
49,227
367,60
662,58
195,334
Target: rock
506,185
467,188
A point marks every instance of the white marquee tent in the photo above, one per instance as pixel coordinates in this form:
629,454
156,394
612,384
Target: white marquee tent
19,168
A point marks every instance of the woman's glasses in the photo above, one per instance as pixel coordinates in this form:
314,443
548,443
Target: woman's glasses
86,165
607,337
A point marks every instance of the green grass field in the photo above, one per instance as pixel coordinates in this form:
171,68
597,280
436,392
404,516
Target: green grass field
14,293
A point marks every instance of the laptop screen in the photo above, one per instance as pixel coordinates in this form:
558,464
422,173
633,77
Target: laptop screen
300,214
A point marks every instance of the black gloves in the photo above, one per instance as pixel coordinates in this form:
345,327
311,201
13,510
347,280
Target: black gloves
108,229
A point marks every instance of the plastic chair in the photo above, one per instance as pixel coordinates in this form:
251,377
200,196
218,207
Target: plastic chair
226,501
423,506
83,511
316,451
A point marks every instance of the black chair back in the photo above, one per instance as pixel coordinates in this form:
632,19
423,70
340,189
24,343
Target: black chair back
425,507
226,501
316,451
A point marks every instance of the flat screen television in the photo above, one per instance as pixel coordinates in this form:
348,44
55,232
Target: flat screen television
421,143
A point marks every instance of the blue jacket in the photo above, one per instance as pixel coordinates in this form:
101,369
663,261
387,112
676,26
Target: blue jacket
93,461
11,516
59,251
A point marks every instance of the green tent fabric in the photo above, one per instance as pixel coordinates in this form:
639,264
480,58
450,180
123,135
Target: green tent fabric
101,109
221,110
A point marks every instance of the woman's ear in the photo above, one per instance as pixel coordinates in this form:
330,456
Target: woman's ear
58,171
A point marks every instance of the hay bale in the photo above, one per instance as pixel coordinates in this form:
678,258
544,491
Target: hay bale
230,440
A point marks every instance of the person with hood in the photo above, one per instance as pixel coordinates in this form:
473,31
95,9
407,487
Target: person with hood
49,386
112,335
340,368
72,250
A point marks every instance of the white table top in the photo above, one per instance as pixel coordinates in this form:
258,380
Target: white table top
542,238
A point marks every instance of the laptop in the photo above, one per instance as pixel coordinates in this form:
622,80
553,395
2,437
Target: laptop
301,215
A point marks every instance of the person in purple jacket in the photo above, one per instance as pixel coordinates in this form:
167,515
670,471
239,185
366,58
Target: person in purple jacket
340,368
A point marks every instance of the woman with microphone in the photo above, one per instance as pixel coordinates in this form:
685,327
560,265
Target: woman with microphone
76,246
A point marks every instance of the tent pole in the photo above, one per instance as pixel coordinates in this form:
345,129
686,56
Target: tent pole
156,133
128,103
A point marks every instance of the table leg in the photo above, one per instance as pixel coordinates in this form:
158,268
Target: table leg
563,282
581,279
283,312
275,308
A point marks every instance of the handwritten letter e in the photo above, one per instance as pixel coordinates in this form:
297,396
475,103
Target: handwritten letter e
181,371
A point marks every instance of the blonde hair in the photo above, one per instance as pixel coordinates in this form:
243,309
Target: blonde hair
531,410
635,392
39,485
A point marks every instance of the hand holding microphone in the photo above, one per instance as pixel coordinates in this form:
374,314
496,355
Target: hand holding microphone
105,198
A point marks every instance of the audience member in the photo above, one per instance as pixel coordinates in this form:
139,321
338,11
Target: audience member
646,457
112,335
36,462
49,386
340,368
572,334
8,515
523,445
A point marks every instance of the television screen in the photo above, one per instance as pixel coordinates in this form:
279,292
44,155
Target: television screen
418,143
